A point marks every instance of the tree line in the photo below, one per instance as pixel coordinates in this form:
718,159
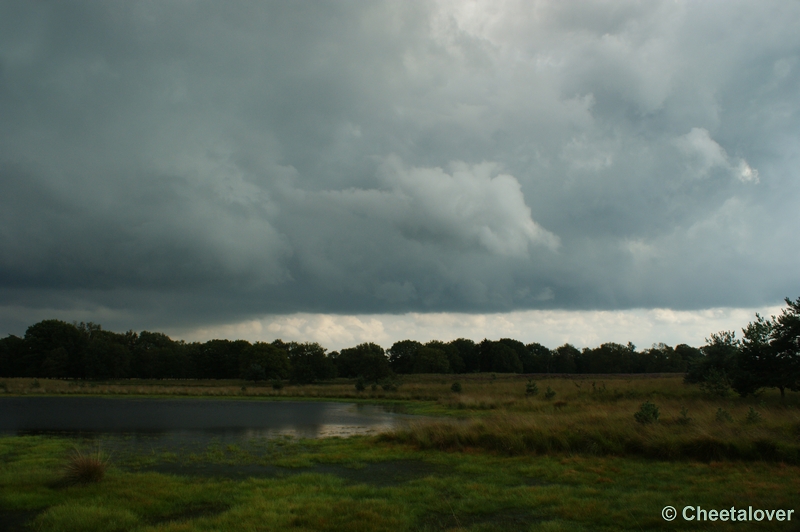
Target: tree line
57,349
767,355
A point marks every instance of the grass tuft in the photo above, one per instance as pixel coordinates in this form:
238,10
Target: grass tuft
85,468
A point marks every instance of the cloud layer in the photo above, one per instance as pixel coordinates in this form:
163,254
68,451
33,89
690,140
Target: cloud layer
187,164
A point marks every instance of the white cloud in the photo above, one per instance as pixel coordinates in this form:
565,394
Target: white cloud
552,328
704,154
471,203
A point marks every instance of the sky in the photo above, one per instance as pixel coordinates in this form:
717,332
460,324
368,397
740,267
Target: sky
344,171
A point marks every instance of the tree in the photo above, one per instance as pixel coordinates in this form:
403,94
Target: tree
273,360
454,360
430,360
499,358
366,360
61,345
309,363
718,366
468,352
785,340
564,359
539,359
402,355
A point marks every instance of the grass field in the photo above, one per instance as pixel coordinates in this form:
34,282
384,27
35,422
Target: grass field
495,460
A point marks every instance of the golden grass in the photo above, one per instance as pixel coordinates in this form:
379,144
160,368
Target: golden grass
85,468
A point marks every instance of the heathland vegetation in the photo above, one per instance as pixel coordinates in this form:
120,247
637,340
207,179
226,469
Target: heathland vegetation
516,437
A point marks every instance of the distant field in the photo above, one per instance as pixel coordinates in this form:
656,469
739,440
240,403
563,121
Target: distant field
498,459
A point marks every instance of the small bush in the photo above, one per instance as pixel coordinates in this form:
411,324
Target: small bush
648,413
85,468
723,416
360,385
456,387
244,388
390,386
549,393
35,383
684,418
277,384
716,383
753,416
531,388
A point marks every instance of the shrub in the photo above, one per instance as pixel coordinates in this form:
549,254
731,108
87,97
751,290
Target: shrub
723,416
531,389
84,468
648,413
716,383
549,393
390,386
277,384
360,386
753,416
684,418
456,387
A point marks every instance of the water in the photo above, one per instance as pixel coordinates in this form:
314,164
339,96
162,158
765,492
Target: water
190,418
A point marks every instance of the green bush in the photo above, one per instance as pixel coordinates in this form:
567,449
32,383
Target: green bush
648,413
723,416
360,385
531,388
549,393
716,383
277,384
456,387
684,418
753,416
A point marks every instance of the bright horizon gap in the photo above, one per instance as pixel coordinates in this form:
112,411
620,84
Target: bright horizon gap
551,328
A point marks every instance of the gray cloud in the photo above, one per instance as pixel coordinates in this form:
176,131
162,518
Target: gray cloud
188,163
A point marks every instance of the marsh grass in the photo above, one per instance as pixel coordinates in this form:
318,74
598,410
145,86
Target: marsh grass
85,467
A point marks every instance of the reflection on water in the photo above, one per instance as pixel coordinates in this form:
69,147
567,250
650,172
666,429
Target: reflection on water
188,418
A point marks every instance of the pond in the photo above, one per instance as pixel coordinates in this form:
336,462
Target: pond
191,418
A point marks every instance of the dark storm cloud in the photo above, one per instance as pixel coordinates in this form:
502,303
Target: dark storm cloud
196,162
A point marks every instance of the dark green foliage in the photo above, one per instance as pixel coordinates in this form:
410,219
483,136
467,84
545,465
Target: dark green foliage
360,385
454,361
531,388
753,416
648,413
402,355
723,416
255,372
539,359
54,348
456,387
684,418
366,360
277,384
498,357
273,360
720,354
12,352
784,355
308,363
564,359
390,385
430,360
469,354
549,393
716,383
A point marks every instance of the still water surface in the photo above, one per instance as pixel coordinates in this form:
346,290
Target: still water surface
228,419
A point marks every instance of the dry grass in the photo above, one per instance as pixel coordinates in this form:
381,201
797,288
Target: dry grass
85,468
